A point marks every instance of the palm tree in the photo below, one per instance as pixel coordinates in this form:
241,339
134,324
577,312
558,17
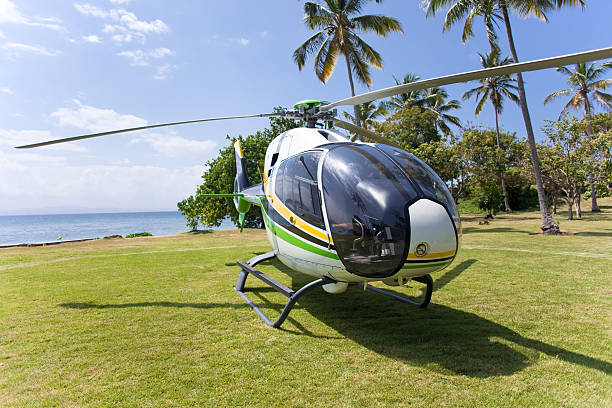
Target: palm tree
494,89
490,11
432,99
435,101
337,24
406,100
585,80
369,112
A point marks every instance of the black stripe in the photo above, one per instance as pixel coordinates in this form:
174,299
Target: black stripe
283,222
429,260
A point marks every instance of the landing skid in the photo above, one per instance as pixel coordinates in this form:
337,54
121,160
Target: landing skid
293,296
425,279
249,268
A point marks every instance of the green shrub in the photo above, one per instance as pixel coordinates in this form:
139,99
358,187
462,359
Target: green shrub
139,234
113,236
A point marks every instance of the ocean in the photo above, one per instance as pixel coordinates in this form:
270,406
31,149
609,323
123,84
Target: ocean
18,229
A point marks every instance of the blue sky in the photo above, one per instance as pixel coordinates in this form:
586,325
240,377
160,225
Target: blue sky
68,68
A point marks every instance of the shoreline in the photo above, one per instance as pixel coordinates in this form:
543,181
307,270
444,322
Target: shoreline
39,244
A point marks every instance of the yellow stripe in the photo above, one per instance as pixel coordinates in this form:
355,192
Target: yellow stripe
285,212
432,255
238,148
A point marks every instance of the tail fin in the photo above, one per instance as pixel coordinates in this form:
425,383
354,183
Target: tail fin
242,178
240,183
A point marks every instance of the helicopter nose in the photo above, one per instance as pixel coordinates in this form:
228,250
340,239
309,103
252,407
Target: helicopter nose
433,239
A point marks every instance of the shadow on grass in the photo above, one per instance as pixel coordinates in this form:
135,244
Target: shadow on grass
452,274
89,305
459,342
593,234
468,230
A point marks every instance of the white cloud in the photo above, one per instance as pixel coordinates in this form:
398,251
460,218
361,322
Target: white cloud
6,90
173,145
126,26
27,181
10,14
163,71
120,1
13,48
227,41
91,10
150,58
11,138
95,119
92,38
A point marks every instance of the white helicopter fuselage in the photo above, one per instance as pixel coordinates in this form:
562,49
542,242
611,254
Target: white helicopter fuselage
289,208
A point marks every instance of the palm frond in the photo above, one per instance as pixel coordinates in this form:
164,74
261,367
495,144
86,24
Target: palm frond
317,16
381,25
604,98
369,53
557,94
602,84
307,48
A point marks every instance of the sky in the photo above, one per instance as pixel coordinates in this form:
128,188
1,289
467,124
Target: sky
69,68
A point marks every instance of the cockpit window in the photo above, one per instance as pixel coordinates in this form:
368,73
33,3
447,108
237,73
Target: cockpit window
297,187
429,182
366,198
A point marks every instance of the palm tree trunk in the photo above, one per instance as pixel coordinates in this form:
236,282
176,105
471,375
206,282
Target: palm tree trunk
503,183
355,107
587,114
549,226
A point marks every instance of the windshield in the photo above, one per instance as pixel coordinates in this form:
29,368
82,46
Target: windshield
430,183
366,198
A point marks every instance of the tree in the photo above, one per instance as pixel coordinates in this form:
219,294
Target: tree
494,89
443,158
585,80
410,127
484,161
368,113
435,102
219,176
338,24
564,162
431,99
490,11
405,100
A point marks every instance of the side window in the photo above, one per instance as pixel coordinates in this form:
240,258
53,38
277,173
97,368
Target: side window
297,187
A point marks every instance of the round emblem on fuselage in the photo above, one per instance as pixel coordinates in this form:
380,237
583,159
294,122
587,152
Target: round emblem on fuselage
421,249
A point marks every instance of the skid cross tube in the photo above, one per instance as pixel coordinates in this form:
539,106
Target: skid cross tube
248,268
425,279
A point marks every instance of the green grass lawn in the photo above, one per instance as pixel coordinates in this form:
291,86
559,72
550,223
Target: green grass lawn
519,319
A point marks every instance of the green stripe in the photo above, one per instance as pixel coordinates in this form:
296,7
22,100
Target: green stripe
285,236
425,265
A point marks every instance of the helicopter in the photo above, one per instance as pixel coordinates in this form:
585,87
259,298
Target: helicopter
345,211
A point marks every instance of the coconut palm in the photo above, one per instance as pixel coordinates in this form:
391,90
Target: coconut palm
492,11
434,100
494,89
369,112
406,100
585,80
338,24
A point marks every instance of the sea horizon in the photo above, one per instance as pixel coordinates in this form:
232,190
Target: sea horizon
40,228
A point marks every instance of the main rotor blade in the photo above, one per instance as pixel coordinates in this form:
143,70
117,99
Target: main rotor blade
473,75
375,137
112,132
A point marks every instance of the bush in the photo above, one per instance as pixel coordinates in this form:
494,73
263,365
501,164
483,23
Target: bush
522,197
139,234
113,236
601,188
